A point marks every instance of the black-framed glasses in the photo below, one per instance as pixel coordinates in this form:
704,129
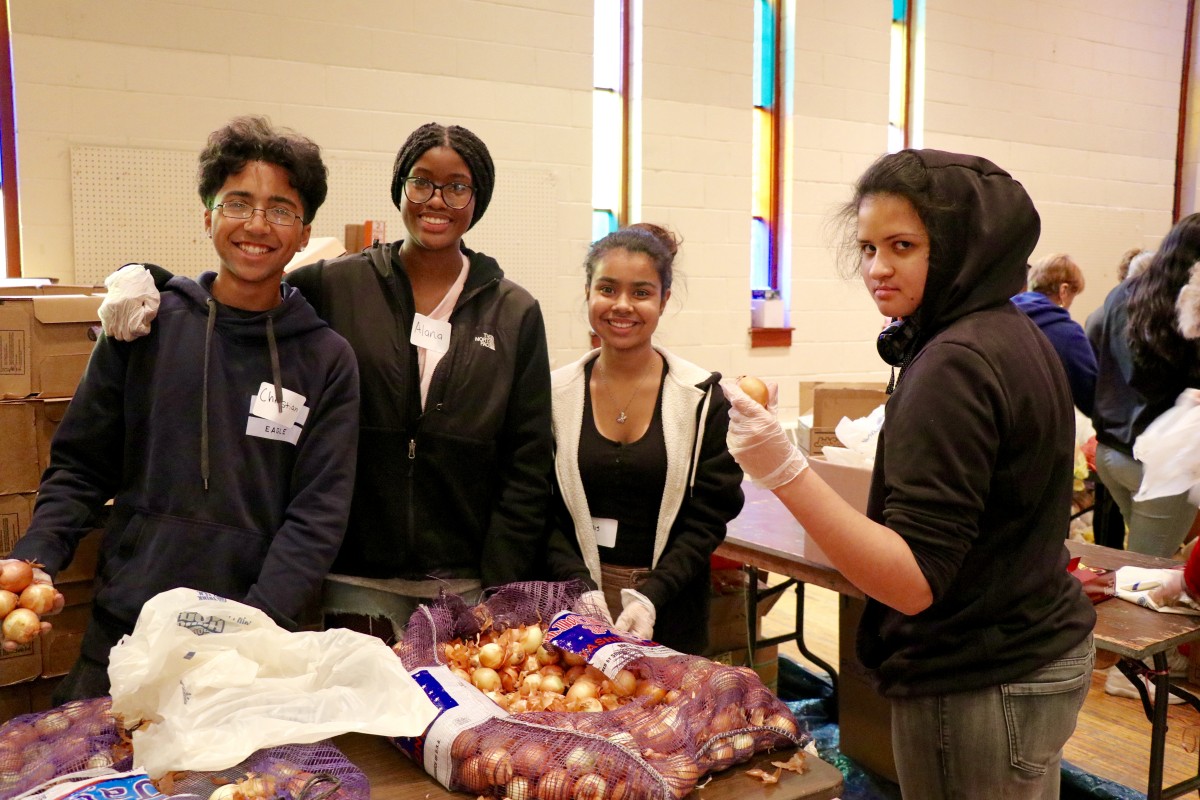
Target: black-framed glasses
455,195
277,215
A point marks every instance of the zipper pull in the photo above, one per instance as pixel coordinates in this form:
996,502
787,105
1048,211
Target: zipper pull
412,449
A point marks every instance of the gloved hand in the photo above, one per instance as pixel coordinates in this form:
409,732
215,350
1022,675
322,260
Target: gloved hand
130,304
1170,590
638,615
593,604
758,442
39,576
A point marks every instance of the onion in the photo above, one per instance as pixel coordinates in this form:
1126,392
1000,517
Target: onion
38,598
755,388
530,758
21,626
652,691
572,659
15,575
485,679
554,784
552,669
581,690
545,657
519,788
625,683
531,683
574,674
590,787
531,639
491,655
553,683
8,601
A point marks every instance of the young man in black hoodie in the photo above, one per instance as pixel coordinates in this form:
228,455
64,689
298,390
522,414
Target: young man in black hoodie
226,436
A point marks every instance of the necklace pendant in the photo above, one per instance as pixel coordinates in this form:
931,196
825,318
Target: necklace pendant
621,418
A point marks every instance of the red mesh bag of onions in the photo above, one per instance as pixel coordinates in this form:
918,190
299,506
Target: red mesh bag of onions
538,701
83,735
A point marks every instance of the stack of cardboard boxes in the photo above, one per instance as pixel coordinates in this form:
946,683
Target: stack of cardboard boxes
46,337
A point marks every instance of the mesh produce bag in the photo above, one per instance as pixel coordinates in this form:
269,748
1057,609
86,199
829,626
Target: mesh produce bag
81,736
655,722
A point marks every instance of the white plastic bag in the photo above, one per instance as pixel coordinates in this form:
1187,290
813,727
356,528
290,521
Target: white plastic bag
217,680
859,437
1169,450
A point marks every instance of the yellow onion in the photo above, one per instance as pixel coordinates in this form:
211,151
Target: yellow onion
485,679
531,639
530,758
470,775
553,683
625,683
581,690
491,655
520,788
555,784
545,657
572,659
590,787
496,765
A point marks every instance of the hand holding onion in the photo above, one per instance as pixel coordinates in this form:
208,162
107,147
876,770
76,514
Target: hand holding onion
26,595
757,390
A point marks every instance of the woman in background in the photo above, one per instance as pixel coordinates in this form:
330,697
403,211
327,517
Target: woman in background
1145,363
645,485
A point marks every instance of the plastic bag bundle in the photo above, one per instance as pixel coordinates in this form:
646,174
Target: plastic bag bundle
82,734
1169,450
658,720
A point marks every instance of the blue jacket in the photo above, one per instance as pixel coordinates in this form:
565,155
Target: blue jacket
208,491
1070,342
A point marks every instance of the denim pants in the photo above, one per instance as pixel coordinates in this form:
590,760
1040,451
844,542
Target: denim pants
1156,527
1002,742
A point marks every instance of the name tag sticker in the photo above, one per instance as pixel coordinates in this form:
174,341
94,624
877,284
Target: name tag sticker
264,405
606,531
432,334
266,429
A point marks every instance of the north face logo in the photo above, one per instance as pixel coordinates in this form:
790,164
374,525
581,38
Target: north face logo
487,340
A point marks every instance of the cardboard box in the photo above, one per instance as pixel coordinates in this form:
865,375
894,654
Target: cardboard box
45,343
828,402
15,512
853,484
727,624
60,647
19,470
23,664
864,716
29,289
14,701
48,413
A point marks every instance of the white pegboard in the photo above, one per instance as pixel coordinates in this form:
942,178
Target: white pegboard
141,205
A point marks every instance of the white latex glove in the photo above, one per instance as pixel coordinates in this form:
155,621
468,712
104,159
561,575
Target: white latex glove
638,615
593,604
758,442
1171,590
130,304
39,576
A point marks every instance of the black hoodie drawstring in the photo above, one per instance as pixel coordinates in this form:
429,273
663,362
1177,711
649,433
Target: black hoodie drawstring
275,375
208,332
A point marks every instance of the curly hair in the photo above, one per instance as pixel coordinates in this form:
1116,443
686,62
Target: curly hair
252,138
1154,336
655,242
469,147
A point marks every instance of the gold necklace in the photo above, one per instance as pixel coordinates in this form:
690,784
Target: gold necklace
621,415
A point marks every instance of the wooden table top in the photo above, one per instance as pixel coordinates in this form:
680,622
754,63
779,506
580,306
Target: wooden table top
1126,628
767,536
394,777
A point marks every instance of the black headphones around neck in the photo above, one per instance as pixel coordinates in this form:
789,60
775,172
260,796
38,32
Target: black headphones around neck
895,341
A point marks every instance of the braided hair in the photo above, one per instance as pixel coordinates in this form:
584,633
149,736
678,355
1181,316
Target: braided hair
251,138
469,147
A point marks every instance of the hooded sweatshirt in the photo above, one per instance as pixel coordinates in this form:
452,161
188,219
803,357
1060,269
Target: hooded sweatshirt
1069,341
975,459
214,487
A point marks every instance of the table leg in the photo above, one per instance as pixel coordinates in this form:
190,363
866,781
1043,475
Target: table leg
752,598
1156,713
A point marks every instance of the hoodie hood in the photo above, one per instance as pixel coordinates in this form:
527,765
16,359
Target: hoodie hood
292,317
981,258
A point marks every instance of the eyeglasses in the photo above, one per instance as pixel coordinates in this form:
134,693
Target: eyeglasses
455,195
277,215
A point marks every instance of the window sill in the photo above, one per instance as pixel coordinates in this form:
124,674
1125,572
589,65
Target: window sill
771,337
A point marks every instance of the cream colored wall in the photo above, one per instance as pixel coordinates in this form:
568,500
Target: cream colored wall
1077,100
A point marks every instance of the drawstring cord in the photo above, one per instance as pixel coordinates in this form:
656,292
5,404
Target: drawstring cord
212,323
275,376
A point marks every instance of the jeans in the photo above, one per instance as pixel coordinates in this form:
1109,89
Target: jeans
1156,527
1001,742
